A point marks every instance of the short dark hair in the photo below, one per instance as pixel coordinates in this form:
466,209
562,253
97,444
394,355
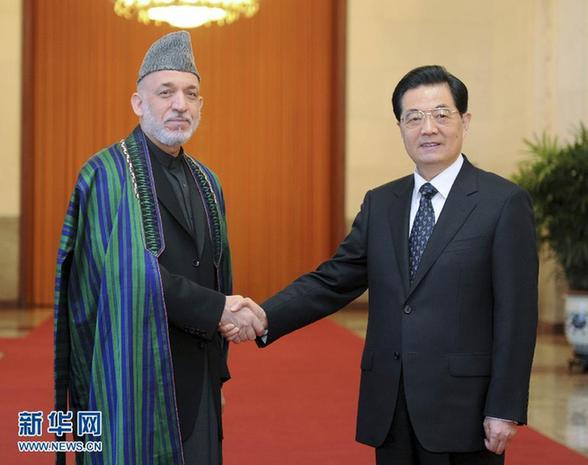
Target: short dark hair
430,75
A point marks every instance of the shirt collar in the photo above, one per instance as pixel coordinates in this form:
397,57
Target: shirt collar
443,181
165,159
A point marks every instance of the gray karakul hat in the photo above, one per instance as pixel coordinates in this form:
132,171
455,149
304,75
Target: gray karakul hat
171,52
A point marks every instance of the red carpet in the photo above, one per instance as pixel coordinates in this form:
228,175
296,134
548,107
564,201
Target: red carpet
27,384
293,403
308,385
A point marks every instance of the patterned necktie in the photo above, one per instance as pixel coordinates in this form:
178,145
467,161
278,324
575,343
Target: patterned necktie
422,228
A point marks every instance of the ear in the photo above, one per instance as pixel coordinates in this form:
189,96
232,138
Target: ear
199,103
137,104
466,118
401,130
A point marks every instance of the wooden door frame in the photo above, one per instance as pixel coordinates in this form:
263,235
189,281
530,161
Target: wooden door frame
27,156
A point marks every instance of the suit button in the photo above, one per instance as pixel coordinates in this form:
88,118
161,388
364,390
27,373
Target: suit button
195,263
396,355
407,309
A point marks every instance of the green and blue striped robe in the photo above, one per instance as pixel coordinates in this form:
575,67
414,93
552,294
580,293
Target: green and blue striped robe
112,350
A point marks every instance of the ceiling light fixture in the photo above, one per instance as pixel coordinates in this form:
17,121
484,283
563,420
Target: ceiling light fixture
186,13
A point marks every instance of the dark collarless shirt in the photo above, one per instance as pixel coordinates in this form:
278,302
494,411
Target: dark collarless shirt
177,173
203,445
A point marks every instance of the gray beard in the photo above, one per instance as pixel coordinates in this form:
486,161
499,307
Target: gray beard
166,137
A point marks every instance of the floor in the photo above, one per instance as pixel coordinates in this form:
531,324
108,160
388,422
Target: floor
558,406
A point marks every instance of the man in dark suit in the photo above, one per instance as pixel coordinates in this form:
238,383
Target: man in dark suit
449,256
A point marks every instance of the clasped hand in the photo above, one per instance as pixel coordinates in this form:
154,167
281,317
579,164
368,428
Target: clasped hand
242,320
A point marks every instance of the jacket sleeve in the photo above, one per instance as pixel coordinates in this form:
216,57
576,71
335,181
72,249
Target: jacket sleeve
191,307
320,293
514,276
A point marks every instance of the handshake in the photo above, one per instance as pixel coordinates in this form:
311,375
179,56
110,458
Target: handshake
242,320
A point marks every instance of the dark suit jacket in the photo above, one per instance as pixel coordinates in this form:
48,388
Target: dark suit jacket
193,305
462,334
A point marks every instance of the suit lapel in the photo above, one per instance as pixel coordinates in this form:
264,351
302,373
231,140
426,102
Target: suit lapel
458,206
166,195
399,218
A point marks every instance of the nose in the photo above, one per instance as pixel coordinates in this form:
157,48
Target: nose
429,126
179,102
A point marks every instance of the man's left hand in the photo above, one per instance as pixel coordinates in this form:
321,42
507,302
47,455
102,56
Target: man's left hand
498,434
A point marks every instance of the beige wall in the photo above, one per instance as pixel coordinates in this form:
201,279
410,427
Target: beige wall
10,79
525,64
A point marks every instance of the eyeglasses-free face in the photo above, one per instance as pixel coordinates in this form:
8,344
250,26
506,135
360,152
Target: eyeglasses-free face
431,128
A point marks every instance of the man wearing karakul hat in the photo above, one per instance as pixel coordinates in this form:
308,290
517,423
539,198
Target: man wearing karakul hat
144,279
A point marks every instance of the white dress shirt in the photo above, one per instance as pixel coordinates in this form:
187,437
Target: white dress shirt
442,182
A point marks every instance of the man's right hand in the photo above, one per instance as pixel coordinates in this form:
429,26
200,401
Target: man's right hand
242,319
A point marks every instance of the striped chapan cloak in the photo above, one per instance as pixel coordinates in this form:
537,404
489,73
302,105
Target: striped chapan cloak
112,350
